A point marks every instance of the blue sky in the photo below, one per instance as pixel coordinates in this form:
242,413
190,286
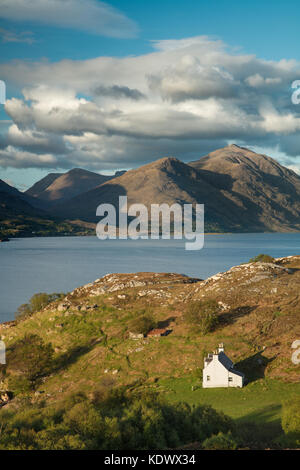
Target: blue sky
268,31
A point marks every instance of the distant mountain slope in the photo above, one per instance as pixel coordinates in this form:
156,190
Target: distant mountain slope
12,205
268,192
34,202
40,186
18,218
167,180
6,188
242,191
13,202
59,187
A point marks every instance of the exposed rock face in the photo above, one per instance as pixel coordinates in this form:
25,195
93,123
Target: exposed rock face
120,282
63,307
247,273
249,283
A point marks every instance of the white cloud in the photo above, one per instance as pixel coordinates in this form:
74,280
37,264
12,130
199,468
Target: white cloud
13,157
185,98
206,43
12,36
85,15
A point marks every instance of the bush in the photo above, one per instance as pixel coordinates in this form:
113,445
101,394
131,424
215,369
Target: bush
203,314
262,259
142,324
220,442
36,303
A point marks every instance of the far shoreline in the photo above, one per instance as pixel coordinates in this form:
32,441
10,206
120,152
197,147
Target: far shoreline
72,235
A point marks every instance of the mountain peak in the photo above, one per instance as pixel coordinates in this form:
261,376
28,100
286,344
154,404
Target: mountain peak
79,171
55,186
165,163
233,148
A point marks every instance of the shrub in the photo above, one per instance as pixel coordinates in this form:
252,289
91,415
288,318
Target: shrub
36,303
262,259
220,441
250,435
203,314
142,324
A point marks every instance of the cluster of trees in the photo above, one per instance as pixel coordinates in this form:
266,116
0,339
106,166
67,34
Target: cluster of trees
13,226
36,303
203,315
119,420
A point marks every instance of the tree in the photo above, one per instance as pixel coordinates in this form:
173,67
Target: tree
203,314
30,358
142,324
36,303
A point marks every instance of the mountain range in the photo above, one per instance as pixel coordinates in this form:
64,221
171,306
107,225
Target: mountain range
59,187
243,191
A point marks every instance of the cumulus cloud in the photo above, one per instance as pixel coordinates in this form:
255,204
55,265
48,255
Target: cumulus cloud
34,141
89,15
189,79
184,99
16,158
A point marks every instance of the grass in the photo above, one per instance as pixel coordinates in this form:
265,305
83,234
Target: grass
259,402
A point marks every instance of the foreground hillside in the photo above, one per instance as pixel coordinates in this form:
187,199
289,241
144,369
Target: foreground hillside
91,333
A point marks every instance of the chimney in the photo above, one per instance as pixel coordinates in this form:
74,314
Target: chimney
221,347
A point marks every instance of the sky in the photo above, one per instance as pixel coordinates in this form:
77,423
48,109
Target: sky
114,85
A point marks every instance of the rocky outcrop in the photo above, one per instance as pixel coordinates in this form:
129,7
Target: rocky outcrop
119,282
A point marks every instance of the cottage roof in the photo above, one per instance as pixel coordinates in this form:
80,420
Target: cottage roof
225,361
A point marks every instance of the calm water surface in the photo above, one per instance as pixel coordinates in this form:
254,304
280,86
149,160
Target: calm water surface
31,265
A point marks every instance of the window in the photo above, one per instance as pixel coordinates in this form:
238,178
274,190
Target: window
230,379
208,378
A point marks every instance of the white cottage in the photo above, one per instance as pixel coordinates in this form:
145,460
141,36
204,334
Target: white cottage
219,371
